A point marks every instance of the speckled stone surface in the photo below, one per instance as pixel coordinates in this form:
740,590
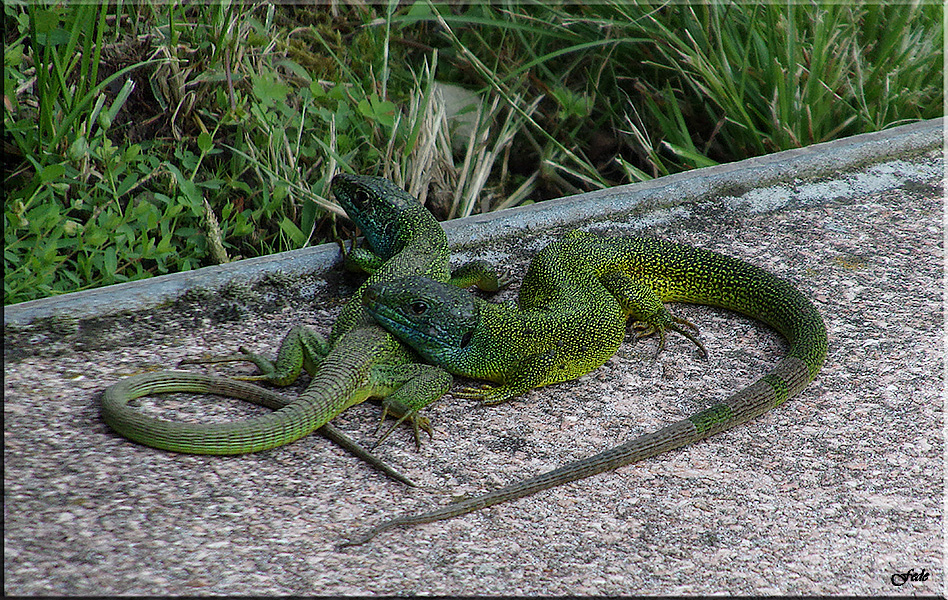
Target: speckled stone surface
833,493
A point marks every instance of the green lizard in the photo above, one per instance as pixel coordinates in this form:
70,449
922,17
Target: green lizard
570,317
361,360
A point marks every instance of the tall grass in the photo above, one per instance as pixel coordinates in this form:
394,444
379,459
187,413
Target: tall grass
677,86
784,76
153,137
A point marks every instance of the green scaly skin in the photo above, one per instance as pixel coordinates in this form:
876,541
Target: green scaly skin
198,383
572,308
365,360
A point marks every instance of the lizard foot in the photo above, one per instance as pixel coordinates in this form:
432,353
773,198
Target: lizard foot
244,356
479,273
418,424
644,329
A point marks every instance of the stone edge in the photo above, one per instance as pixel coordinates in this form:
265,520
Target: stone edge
674,190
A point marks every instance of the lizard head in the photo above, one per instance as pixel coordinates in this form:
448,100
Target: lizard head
388,216
436,319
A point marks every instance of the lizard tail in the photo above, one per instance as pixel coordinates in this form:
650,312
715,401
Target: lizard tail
252,435
340,374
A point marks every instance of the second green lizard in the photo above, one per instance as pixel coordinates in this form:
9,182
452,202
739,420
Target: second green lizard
570,318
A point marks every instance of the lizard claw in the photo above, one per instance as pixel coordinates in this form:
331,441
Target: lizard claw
643,329
208,360
352,239
244,356
688,334
418,424
504,278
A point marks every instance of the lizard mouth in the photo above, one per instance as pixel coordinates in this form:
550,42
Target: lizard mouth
387,317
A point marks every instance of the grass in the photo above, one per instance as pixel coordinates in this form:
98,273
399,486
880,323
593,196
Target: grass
161,136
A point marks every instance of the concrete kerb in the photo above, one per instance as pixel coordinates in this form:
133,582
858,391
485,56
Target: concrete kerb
812,162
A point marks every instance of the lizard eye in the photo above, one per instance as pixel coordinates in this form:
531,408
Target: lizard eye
360,198
418,307
466,338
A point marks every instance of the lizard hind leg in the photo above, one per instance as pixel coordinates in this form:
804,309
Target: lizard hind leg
648,313
302,348
481,274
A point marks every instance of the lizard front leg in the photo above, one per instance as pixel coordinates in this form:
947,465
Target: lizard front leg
531,372
405,390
